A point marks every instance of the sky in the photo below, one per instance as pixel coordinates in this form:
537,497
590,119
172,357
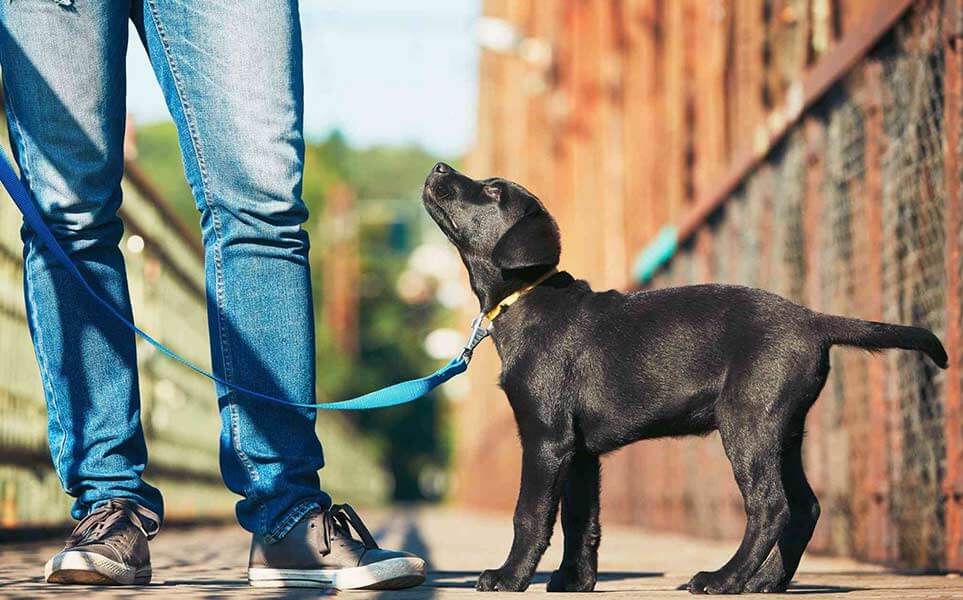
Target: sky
381,71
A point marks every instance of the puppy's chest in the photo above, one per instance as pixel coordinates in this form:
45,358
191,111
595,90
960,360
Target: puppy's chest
544,376
540,362
555,385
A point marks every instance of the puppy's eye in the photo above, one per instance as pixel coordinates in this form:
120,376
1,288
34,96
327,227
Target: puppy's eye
492,192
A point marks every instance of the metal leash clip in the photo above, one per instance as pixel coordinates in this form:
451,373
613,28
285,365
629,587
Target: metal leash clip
478,333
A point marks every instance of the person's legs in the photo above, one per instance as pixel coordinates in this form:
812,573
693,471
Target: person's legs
64,83
232,76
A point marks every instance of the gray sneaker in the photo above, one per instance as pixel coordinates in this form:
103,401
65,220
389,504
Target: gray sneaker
321,552
107,547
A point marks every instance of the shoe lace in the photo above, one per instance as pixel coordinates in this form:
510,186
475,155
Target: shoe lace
104,520
339,520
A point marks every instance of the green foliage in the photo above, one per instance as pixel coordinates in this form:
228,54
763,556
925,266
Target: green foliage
320,175
388,172
392,336
387,184
159,154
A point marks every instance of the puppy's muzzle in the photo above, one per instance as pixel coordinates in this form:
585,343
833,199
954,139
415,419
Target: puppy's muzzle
435,182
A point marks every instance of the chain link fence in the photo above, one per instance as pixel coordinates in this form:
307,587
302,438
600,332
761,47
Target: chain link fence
848,216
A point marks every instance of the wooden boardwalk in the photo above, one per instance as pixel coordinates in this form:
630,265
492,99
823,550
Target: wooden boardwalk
208,562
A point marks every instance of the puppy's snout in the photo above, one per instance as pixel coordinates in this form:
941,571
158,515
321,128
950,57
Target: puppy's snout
438,179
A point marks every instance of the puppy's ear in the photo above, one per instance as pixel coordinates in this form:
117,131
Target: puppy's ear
531,242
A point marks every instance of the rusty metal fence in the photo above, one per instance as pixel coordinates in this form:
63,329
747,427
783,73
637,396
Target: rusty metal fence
837,186
847,215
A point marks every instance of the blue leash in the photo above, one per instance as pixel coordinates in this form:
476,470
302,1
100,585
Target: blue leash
399,393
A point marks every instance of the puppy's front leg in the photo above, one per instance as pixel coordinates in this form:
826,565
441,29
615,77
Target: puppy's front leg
544,467
580,522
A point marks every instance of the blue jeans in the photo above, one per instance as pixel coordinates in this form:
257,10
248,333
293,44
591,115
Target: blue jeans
232,76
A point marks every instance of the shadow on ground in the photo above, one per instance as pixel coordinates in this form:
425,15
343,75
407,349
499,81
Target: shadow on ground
809,588
210,563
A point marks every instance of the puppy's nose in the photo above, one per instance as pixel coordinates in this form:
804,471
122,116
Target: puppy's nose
441,168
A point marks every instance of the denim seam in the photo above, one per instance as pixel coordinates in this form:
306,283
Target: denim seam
41,355
290,520
218,270
45,376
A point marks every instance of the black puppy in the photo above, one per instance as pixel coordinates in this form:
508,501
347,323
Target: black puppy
589,372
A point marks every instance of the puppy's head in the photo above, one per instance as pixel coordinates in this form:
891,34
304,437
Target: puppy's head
502,231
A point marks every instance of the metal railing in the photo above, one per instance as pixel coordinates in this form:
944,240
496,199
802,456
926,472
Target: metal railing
179,409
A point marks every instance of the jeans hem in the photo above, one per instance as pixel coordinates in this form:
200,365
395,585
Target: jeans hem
291,519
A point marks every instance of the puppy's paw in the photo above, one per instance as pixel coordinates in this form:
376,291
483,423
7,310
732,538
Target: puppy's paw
487,581
567,579
715,582
770,578
493,580
764,585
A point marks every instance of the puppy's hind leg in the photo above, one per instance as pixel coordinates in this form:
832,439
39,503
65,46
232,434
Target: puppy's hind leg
580,523
752,433
776,573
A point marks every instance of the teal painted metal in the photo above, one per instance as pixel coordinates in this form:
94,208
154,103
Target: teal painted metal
656,254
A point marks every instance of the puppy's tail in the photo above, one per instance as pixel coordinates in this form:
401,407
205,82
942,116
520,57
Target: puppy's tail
875,336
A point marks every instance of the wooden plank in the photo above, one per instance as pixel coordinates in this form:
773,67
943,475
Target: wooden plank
567,125
952,169
482,419
875,484
815,446
586,219
640,85
710,38
541,123
673,140
342,270
609,142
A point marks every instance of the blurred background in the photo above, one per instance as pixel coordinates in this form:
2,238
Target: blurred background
808,147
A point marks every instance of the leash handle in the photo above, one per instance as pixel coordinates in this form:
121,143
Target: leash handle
399,393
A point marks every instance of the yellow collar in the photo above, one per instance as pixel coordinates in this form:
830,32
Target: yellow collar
514,297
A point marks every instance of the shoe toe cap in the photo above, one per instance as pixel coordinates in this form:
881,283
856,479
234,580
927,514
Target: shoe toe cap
379,554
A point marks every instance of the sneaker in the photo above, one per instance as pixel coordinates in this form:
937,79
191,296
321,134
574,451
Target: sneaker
107,547
321,552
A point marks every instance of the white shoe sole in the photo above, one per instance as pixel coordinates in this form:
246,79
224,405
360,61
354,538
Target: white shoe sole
390,574
88,568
